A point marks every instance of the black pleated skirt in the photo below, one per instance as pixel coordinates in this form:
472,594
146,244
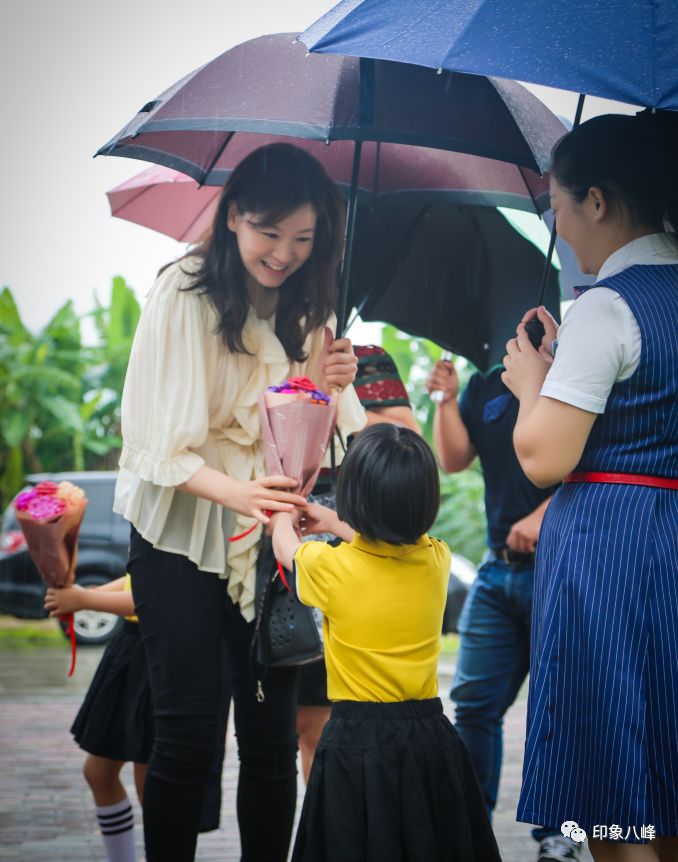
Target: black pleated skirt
116,719
393,782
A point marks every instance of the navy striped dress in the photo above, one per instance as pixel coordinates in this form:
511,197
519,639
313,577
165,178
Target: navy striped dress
602,739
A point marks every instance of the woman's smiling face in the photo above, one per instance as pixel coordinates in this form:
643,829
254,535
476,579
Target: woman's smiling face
272,252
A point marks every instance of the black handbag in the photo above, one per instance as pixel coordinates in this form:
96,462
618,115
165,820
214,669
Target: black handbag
285,633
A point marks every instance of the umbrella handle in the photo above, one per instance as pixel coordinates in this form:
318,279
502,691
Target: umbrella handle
535,332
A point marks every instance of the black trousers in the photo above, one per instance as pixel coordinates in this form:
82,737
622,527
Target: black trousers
183,614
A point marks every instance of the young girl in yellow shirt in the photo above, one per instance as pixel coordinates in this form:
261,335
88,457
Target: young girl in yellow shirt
391,778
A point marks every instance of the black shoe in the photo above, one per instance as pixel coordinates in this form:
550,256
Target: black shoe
558,848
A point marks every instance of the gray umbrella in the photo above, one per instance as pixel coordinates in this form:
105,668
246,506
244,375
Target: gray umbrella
270,85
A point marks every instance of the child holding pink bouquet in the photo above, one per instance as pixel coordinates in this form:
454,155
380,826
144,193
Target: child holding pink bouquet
391,778
115,722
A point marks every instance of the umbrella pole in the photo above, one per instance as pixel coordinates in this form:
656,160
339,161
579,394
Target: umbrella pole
366,118
554,231
342,311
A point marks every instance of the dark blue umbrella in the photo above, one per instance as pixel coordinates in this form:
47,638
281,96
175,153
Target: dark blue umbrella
619,49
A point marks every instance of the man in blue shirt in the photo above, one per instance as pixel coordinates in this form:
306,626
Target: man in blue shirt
493,658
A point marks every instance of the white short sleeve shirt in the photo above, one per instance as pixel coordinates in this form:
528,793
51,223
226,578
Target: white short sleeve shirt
599,342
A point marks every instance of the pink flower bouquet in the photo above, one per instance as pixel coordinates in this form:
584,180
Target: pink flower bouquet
50,516
297,421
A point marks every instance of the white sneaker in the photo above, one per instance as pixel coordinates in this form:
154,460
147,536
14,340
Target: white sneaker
556,848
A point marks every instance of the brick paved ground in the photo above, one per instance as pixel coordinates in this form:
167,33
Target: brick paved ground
45,807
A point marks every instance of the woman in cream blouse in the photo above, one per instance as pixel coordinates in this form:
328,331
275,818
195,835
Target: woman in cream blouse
243,311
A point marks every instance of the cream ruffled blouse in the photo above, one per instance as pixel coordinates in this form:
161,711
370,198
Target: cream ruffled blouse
188,401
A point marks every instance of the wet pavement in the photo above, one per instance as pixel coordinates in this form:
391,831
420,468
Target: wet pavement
46,810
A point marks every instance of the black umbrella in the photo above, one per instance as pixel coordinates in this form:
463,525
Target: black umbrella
270,85
457,274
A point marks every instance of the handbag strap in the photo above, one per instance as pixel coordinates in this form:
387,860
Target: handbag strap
260,671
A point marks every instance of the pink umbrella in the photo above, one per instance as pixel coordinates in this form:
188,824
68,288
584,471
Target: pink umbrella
166,201
172,203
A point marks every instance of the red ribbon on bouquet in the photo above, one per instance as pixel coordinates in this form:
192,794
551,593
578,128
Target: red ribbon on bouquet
281,571
69,620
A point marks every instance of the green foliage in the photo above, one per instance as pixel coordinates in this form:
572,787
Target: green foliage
16,636
59,398
60,402
461,519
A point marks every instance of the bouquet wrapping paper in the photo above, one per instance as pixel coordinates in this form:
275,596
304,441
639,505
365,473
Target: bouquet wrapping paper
50,516
297,422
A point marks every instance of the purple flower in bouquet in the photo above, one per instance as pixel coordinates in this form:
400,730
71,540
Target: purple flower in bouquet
44,508
23,499
297,420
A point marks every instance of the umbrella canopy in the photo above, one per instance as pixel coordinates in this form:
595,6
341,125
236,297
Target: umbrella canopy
458,258
172,203
271,85
458,275
620,49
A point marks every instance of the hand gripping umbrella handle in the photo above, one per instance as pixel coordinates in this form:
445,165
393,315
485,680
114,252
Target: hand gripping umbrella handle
535,332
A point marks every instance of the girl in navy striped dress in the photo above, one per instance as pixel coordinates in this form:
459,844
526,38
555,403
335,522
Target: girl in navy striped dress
602,415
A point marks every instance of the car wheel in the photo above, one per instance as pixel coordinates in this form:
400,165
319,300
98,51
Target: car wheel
93,628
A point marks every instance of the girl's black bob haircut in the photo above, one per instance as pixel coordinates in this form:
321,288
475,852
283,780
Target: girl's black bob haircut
388,488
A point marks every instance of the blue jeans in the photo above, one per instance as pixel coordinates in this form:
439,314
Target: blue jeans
493,662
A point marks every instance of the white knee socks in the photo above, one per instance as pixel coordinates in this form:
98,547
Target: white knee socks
117,829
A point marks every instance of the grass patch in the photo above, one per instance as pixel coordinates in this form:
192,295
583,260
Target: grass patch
28,634
449,645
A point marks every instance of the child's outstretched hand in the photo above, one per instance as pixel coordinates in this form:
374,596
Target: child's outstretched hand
317,519
65,600
286,517
321,519
283,530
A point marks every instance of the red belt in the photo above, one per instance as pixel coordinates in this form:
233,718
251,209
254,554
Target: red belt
624,479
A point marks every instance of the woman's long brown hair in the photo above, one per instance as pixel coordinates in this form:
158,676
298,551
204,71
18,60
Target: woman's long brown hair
270,183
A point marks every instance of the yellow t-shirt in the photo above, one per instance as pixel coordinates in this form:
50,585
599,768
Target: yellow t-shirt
382,611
